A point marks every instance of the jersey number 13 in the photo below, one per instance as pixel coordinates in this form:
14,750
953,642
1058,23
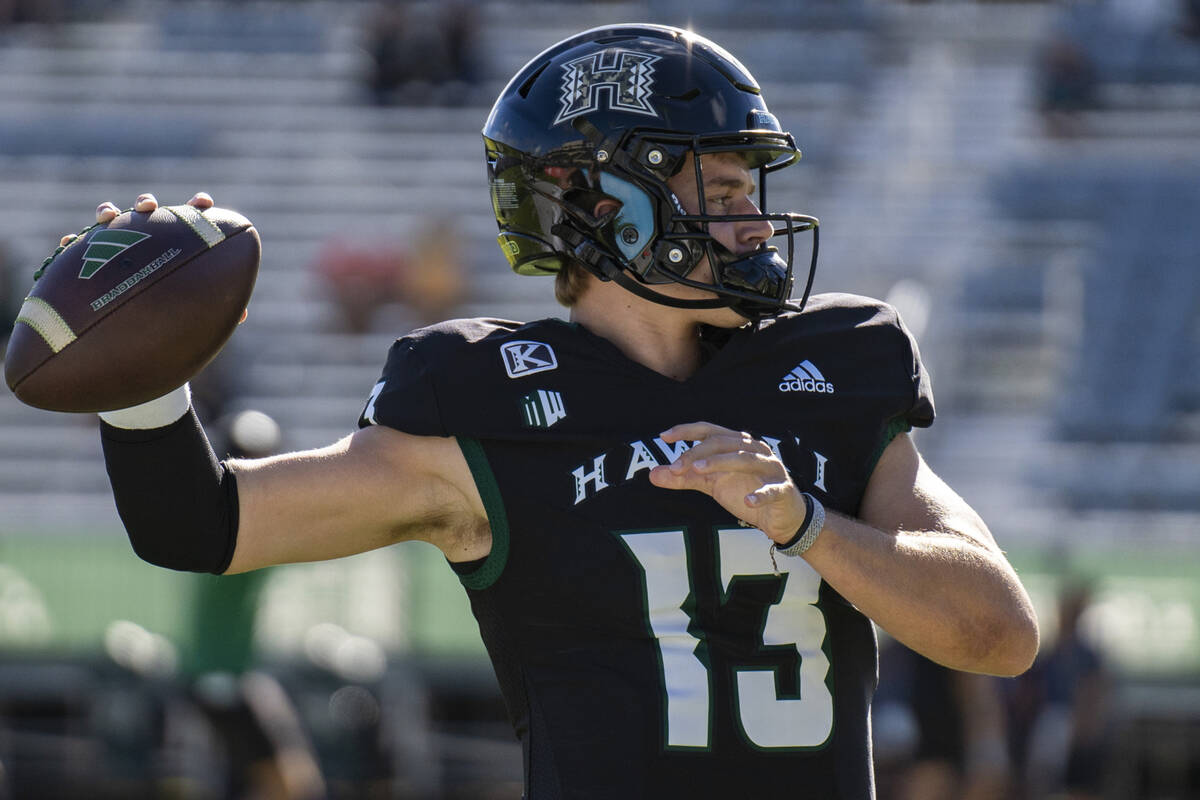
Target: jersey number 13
767,720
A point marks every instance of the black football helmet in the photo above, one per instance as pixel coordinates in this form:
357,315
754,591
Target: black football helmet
614,112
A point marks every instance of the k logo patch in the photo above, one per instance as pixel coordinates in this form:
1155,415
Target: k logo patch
527,358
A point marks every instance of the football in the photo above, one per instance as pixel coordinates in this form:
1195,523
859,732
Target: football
130,310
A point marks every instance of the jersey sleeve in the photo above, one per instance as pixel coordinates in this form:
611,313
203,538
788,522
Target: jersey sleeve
890,373
880,357
920,413
443,380
405,396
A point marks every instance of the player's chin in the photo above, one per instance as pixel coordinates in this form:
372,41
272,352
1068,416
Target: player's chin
721,317
726,317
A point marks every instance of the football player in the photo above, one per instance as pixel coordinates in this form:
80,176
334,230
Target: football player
677,514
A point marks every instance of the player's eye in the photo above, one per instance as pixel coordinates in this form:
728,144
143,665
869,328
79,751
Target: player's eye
719,202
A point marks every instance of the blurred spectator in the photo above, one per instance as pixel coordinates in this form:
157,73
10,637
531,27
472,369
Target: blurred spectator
13,12
267,752
956,726
961,752
1060,711
1068,86
459,22
1071,692
433,284
359,280
391,63
1189,24
11,294
363,279
419,57
1128,42
216,388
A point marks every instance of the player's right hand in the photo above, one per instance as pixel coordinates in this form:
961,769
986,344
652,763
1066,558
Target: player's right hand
108,211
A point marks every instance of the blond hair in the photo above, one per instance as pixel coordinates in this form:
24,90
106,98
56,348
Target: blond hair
570,283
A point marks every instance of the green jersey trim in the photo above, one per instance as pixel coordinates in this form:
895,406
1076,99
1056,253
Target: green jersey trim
489,490
895,427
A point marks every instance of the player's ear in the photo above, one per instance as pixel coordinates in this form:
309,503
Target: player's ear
605,206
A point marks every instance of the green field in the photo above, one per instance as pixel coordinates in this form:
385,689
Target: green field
63,592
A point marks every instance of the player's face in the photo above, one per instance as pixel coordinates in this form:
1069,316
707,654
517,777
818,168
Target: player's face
729,188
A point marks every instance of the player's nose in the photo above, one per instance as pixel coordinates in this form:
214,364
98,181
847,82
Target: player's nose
752,234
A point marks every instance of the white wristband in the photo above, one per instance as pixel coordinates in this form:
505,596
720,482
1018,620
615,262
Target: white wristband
804,538
156,413
811,532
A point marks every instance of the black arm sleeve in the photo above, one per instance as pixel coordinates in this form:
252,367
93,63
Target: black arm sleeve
178,502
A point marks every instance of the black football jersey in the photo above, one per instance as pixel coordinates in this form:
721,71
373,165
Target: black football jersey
642,641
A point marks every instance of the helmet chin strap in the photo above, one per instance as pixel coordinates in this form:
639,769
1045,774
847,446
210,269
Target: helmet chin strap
610,270
620,277
606,268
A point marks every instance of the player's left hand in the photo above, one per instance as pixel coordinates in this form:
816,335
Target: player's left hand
740,472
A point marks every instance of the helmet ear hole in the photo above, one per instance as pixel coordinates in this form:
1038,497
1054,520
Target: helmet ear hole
634,222
595,209
605,207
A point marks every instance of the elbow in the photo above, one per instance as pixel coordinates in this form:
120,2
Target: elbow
182,545
1020,652
153,551
1024,636
1007,646
1006,636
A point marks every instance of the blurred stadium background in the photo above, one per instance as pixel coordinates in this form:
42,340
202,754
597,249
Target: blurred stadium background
1021,179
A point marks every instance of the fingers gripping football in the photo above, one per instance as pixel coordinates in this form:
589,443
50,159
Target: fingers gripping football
740,472
132,307
146,203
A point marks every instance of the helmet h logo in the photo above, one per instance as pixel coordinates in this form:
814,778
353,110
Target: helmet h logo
626,77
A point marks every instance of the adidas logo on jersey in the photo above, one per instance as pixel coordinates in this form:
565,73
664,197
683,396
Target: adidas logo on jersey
805,378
